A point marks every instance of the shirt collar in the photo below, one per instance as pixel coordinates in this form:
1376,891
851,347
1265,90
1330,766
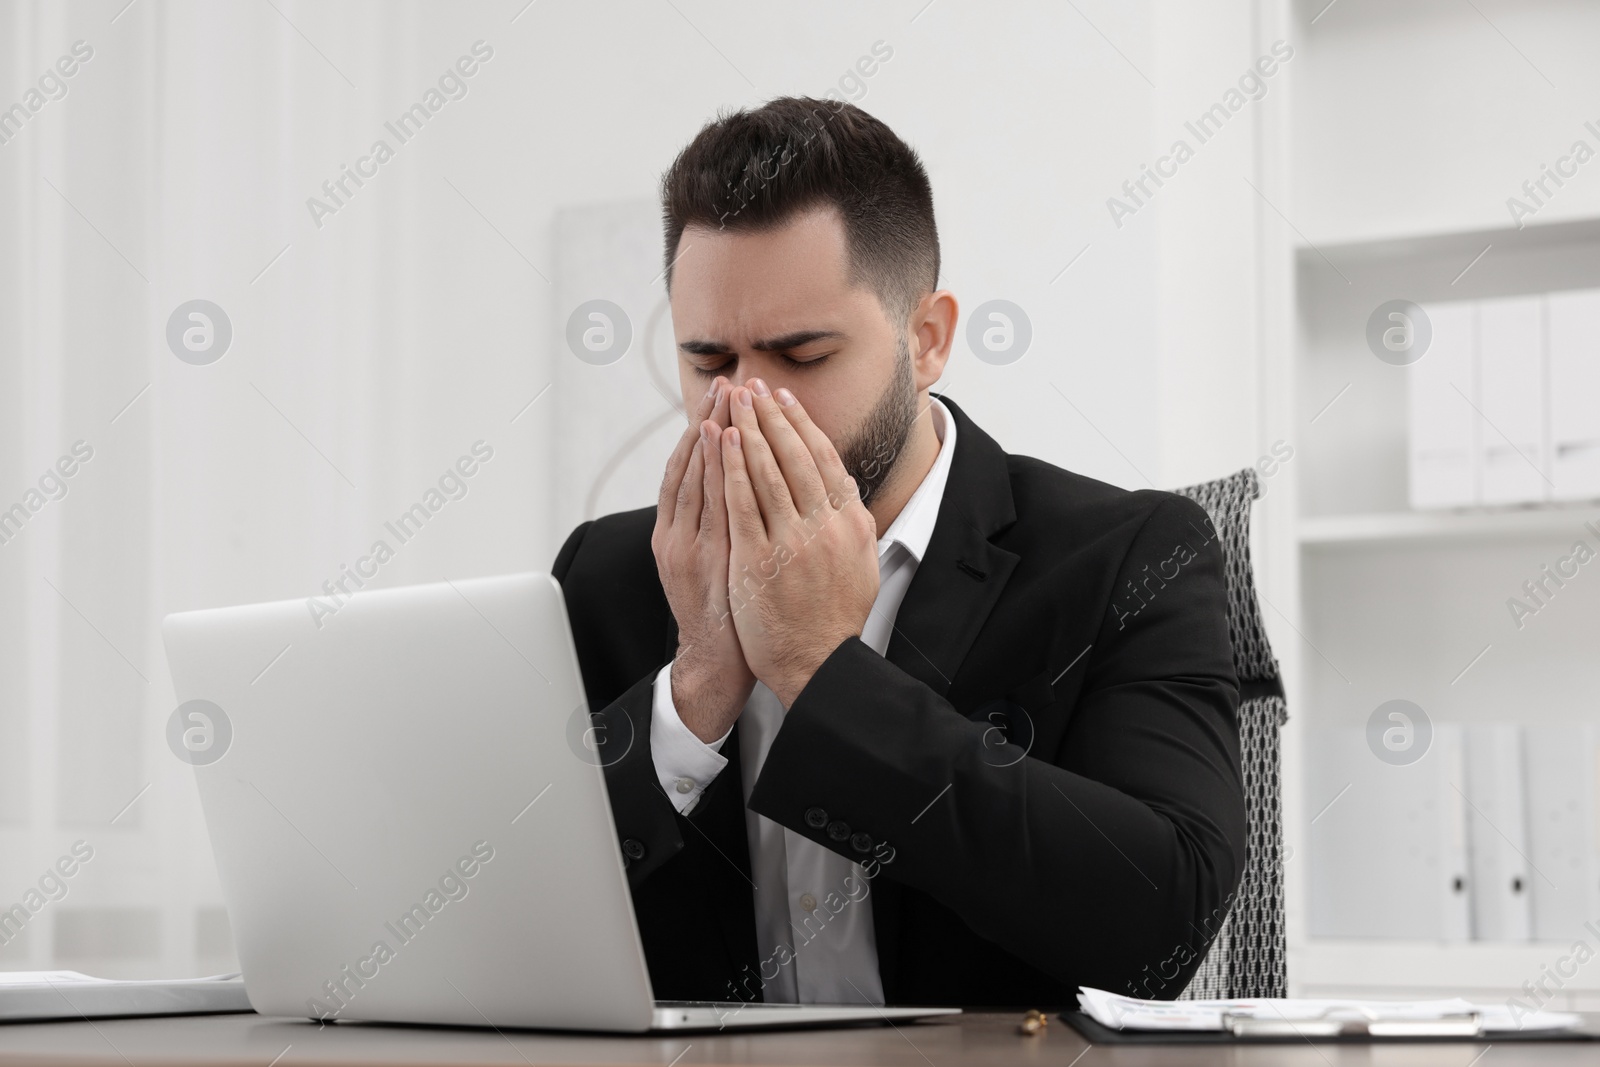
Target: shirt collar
913,527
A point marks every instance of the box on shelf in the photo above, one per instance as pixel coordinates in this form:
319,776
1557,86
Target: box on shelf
1574,347
1387,842
1493,835
1563,775
1504,407
1497,834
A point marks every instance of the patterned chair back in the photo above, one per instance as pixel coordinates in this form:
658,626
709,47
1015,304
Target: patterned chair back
1247,959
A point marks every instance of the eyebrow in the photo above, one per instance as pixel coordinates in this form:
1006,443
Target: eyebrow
787,341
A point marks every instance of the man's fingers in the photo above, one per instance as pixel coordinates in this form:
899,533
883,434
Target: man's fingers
793,455
707,402
840,485
671,478
762,469
745,526
719,411
690,489
713,419
678,462
713,515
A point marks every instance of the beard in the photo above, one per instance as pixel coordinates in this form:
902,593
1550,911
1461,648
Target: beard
870,454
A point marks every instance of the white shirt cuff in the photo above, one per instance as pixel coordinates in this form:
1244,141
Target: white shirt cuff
685,765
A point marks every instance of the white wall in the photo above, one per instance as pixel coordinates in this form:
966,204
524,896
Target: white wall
1450,106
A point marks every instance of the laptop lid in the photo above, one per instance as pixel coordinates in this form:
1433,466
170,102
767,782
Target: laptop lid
407,821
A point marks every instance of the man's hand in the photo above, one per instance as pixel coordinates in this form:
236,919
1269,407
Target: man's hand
803,565
710,679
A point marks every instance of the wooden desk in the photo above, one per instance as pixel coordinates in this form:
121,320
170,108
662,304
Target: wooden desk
964,1042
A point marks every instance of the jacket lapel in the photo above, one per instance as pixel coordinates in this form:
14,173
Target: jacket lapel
961,574
950,597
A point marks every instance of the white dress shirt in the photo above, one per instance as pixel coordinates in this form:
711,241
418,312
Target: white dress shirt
809,900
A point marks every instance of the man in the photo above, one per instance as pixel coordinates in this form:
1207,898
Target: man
890,715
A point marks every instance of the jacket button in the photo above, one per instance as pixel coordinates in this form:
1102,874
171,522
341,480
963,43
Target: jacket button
861,842
816,818
632,849
838,830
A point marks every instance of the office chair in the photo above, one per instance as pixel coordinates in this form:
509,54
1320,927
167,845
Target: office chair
1246,958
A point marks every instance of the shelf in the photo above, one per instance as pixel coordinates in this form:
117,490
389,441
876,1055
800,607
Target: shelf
1389,248
1335,531
1330,964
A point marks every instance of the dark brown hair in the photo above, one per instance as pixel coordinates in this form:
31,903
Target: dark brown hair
757,169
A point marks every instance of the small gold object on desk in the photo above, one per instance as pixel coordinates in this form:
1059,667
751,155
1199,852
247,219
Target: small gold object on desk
1033,1023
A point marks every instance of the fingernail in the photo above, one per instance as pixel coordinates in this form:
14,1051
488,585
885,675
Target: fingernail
713,390
743,398
759,387
733,437
705,434
785,397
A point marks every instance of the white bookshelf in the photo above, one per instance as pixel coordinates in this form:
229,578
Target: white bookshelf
1408,127
1393,602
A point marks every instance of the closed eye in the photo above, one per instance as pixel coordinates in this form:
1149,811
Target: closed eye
788,361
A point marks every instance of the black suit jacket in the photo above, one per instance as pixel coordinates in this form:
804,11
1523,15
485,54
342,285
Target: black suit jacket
1044,766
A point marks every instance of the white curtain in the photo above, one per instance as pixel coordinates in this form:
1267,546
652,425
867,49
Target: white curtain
367,354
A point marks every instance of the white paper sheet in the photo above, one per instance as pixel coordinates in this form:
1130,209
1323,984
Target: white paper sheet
1126,1013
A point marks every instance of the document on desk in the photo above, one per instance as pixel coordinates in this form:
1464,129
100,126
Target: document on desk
71,995
1453,1017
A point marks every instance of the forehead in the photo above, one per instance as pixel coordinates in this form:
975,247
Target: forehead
735,280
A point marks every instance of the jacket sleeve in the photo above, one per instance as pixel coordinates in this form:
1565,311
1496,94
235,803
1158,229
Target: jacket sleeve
1114,857
648,825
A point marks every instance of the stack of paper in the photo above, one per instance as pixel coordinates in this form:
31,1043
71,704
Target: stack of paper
70,995
1318,1017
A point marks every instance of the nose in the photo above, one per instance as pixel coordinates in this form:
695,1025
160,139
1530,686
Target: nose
769,368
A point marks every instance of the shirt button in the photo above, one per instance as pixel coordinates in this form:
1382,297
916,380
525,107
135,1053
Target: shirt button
816,818
861,842
685,784
632,849
839,830
808,902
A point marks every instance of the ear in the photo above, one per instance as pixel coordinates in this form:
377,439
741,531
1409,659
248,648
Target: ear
933,329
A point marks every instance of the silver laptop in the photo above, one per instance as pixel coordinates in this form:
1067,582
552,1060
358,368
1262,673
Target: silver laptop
409,820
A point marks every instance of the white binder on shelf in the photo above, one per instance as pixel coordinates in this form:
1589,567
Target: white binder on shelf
1511,395
1442,426
1388,849
1497,836
1561,767
1573,327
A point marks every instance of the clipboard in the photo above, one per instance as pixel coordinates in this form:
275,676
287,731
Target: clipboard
1462,1029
